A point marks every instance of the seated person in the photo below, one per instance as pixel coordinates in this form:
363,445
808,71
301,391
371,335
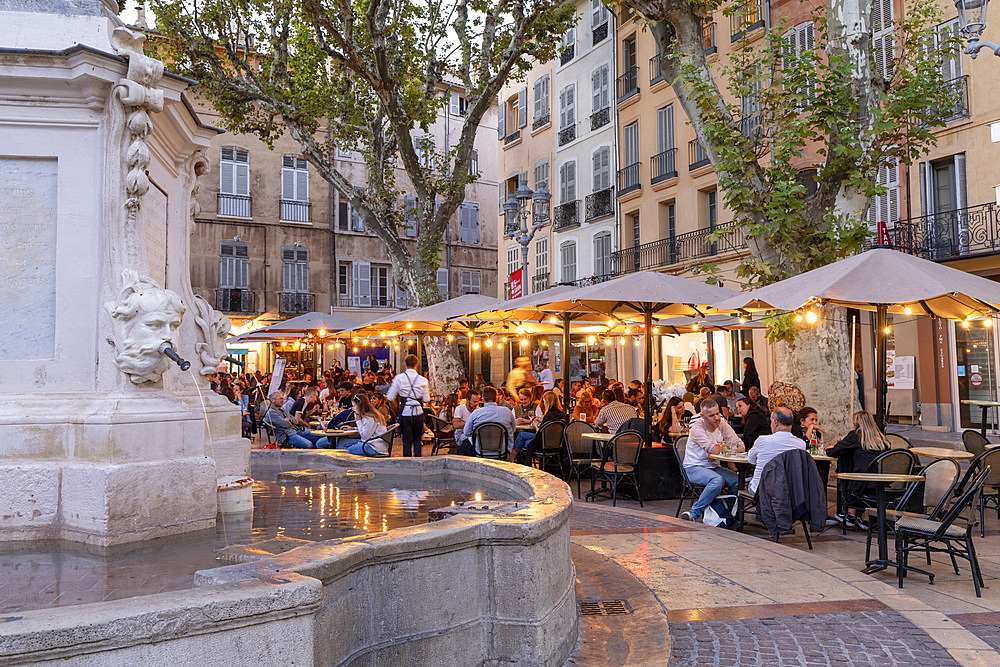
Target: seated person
380,403
769,446
552,405
709,435
526,412
755,421
463,412
286,431
854,453
504,399
586,407
371,424
807,426
490,412
344,392
753,393
674,420
614,412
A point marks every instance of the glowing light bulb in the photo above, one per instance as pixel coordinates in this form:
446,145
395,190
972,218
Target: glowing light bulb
410,343
520,329
503,339
355,349
409,325
469,334
591,339
656,330
694,326
798,318
907,310
322,332
988,323
544,343
621,341
329,347
743,320
488,342
811,317
637,342
354,340
524,343
337,346
450,338
475,345
888,330
383,334
628,330
611,323
554,319
965,324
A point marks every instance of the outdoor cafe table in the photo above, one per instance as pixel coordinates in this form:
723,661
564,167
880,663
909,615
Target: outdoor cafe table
335,434
943,453
880,480
985,405
525,428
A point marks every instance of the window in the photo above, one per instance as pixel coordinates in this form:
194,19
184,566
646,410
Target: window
636,231
567,256
410,216
541,256
751,106
951,68
521,117
711,208
629,58
294,189
602,254
883,38
468,222
601,86
670,222
567,182
344,283
568,46
542,173
513,259
234,182
459,106
471,282
424,148
602,168
885,208
294,269
541,101
598,14
234,268
501,118
567,107
665,128
474,162
630,145
362,279
347,218
799,40
442,281
380,285
344,153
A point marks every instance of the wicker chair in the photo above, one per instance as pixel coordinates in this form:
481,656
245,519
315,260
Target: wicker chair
580,451
991,486
892,461
387,438
688,490
549,446
974,442
896,441
620,461
491,441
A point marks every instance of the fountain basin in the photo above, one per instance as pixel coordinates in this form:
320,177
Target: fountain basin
474,588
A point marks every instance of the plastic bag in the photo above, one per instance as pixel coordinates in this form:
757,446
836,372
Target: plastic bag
720,512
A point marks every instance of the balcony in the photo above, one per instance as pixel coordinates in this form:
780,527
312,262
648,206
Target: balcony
600,33
956,234
567,134
235,206
540,282
708,35
567,54
235,300
295,303
567,215
512,137
627,84
372,301
663,166
541,121
600,118
590,280
655,69
697,155
598,205
746,19
628,179
680,248
960,107
294,211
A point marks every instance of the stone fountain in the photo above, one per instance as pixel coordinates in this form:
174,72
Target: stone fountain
103,439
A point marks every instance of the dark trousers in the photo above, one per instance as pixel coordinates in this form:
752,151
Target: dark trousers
411,429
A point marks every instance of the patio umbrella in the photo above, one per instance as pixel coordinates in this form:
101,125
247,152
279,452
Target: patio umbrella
644,294
884,281
310,323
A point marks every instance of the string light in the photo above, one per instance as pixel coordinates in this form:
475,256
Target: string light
591,340
450,338
524,342
329,347
988,323
544,342
410,343
888,330
354,340
743,320
965,324
503,339
656,330
811,317
469,334
322,332
337,346
554,319
621,341
907,310
798,318
636,341
611,323
488,342
695,326
409,325
355,349
475,345
520,329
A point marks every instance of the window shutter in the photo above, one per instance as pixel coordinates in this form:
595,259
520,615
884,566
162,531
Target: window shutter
454,103
442,281
242,179
570,106
287,184
538,100
501,114
302,184
571,181
227,177
597,171
362,284
473,216
595,83
410,215
474,162
402,298
357,224
522,107
476,282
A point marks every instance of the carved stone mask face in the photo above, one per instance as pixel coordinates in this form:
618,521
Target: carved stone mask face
145,317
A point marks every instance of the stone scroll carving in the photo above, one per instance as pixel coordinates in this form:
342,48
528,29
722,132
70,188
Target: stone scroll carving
143,317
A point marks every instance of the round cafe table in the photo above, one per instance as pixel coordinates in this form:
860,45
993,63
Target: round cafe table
525,428
943,453
880,481
600,437
335,434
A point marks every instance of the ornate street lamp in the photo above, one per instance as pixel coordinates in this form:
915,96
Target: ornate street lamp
516,212
972,22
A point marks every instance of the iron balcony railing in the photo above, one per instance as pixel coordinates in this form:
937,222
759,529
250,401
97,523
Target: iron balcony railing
708,35
512,137
540,282
590,280
663,166
747,18
697,155
235,300
960,99
680,248
628,179
236,206
600,33
541,121
627,84
567,134
567,54
964,232
371,302
655,69
567,215
294,303
294,211
600,118
598,205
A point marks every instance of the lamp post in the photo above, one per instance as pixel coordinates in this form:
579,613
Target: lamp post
515,210
972,22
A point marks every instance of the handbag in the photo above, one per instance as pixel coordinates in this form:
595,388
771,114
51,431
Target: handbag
719,513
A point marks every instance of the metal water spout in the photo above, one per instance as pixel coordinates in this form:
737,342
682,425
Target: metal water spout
168,351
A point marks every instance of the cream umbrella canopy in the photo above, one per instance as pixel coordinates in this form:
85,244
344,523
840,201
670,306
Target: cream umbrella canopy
884,281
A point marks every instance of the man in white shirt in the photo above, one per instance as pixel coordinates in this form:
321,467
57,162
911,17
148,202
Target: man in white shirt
545,375
409,391
462,414
767,447
709,435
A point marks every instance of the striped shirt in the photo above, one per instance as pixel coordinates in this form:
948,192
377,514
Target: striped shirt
614,414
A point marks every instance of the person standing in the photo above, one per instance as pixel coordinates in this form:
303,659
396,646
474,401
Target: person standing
545,375
520,376
750,376
410,390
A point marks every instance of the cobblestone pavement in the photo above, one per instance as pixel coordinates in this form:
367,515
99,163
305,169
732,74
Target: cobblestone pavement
988,633
861,639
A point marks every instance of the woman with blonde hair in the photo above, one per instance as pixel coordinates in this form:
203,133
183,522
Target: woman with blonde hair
854,453
371,424
552,410
586,407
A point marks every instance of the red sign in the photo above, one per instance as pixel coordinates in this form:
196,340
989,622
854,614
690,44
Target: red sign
975,379
883,234
516,287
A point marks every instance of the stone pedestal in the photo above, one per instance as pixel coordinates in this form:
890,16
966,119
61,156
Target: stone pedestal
102,440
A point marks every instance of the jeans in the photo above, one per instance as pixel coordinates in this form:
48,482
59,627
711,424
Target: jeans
714,480
411,430
357,447
306,440
523,439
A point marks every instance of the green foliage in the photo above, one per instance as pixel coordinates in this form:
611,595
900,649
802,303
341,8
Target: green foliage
780,327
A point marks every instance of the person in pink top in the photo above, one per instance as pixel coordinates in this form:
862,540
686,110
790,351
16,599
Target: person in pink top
709,435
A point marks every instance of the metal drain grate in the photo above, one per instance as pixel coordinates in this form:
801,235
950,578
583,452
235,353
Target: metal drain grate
604,607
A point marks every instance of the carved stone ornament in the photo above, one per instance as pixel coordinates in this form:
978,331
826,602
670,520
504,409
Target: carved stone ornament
143,317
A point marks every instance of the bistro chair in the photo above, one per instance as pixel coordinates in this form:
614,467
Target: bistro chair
940,479
491,441
974,441
619,461
991,487
891,461
688,490
580,451
548,446
444,433
387,438
917,533
896,441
